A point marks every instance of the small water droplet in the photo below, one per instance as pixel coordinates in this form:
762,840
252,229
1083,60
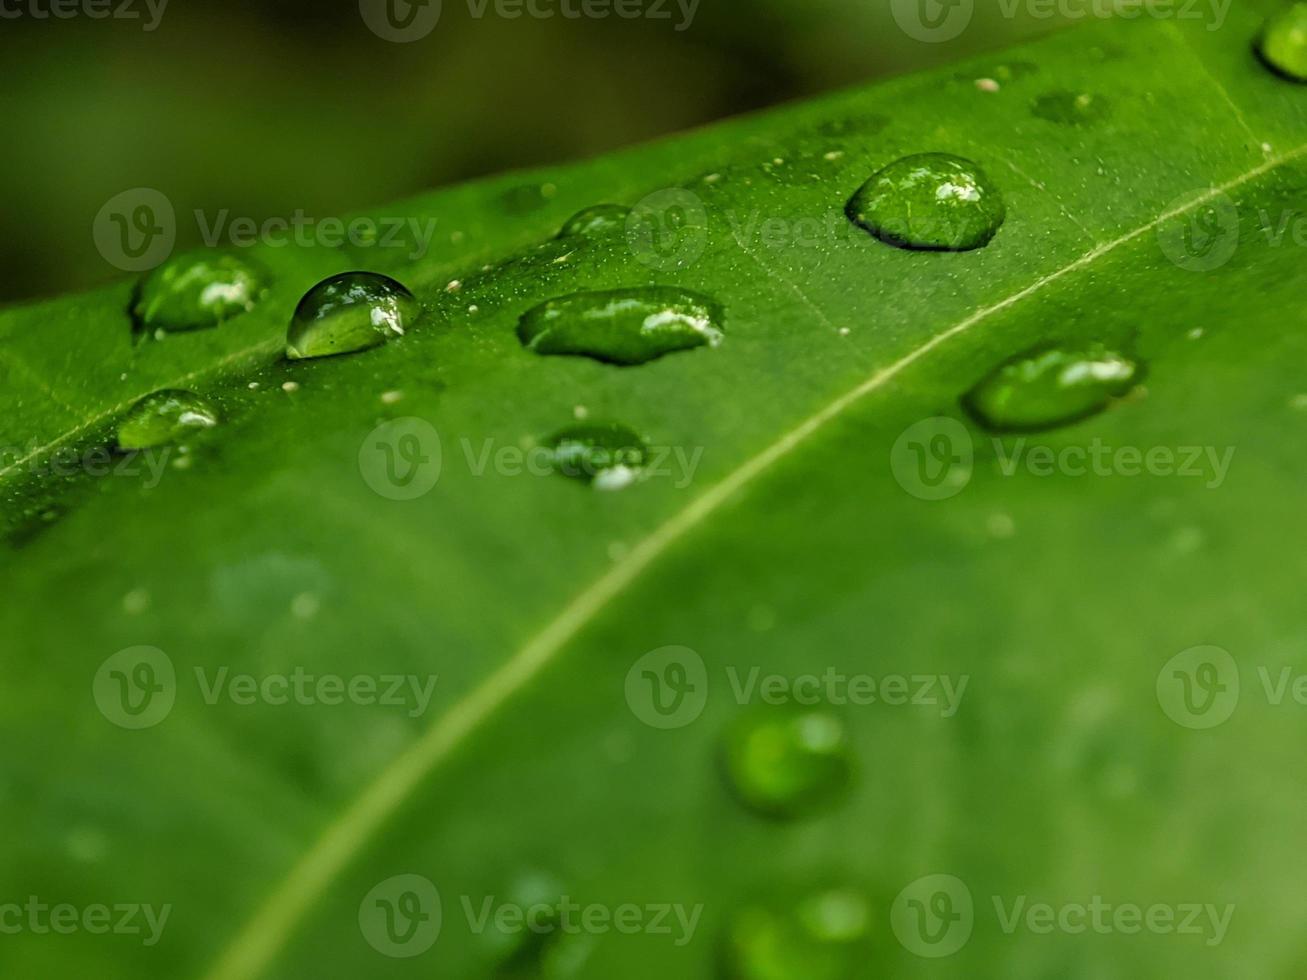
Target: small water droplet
1071,108
290,387
607,455
349,312
987,85
598,220
163,417
136,602
391,397
623,326
196,290
929,201
816,940
787,763
1051,387
1283,42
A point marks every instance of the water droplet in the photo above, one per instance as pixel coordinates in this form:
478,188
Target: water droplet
598,220
163,417
290,387
987,85
196,290
622,326
787,763
817,940
1283,42
1071,108
1051,387
349,312
605,454
929,201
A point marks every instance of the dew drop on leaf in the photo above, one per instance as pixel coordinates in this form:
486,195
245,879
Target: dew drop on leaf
163,417
607,455
787,764
623,326
1283,42
1051,387
817,940
598,220
349,312
196,290
930,201
1071,108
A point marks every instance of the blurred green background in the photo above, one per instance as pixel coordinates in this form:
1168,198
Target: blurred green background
267,107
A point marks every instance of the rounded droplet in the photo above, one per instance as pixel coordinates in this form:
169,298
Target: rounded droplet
1071,108
1051,387
606,455
349,312
196,290
1283,42
788,764
623,326
817,940
163,417
598,220
929,201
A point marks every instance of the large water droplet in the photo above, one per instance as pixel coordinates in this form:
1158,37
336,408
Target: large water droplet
623,326
606,455
786,763
598,220
1283,42
1051,387
349,312
196,290
1071,108
818,940
163,417
929,201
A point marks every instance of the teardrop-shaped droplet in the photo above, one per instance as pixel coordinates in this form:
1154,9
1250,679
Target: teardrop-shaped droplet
817,940
1071,108
606,455
786,763
349,312
196,290
1283,42
623,326
163,417
1051,387
929,201
598,220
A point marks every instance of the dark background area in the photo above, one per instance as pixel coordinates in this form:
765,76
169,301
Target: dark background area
267,107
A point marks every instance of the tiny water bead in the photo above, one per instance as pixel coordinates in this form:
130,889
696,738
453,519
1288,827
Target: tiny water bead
607,455
598,220
195,290
1071,108
1283,42
349,312
932,201
623,326
787,764
816,940
1051,387
163,417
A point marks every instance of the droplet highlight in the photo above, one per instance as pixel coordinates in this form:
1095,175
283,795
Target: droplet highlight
607,455
598,220
162,418
929,201
623,326
196,290
349,312
1052,387
788,764
1282,43
818,939
1071,108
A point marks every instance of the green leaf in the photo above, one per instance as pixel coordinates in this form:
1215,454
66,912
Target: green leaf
778,540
